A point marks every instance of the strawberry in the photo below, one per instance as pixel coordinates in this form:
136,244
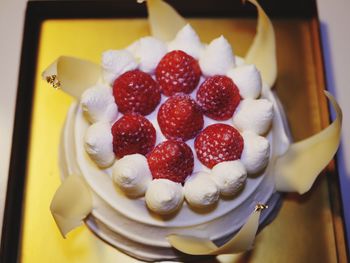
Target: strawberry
133,133
136,92
171,160
177,72
218,143
180,118
218,97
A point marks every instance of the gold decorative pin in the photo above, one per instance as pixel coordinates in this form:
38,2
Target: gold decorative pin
53,81
260,207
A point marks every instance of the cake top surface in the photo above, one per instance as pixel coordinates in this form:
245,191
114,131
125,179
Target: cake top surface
169,114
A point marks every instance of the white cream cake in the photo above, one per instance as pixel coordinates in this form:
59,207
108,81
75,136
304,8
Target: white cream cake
135,212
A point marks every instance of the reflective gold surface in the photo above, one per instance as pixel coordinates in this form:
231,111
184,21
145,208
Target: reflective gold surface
304,228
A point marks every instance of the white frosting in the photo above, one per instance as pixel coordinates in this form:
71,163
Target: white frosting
256,152
115,63
253,115
148,51
217,58
248,80
98,104
132,174
201,190
239,61
188,41
164,196
98,143
230,177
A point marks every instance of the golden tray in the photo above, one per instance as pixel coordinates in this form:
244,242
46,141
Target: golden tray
308,228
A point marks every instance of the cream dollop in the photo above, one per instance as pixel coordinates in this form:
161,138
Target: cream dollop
256,152
99,144
132,174
115,63
230,177
201,190
239,61
217,58
164,196
148,51
98,104
188,41
253,115
248,80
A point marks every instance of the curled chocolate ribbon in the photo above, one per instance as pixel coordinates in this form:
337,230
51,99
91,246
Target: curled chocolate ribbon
242,241
262,52
72,75
71,203
164,21
298,168
73,200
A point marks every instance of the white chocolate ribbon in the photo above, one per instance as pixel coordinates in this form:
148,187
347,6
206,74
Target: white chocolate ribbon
164,20
242,241
72,75
262,52
71,203
298,168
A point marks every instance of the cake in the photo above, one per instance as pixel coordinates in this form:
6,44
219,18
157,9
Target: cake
176,138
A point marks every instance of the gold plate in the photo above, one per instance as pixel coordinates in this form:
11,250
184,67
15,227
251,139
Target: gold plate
305,229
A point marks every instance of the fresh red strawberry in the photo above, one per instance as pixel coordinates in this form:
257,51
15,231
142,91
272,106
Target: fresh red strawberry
218,143
133,133
218,97
177,72
136,92
180,118
171,160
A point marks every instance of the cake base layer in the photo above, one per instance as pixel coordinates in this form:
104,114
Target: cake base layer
152,254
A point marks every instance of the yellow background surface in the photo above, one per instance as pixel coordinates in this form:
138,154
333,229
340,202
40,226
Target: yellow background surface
303,231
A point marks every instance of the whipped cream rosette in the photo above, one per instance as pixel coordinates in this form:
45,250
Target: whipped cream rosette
179,144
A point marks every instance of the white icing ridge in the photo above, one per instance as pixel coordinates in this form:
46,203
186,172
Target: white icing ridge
164,196
200,190
148,51
256,152
253,115
116,62
132,174
248,80
98,144
217,58
188,41
98,104
230,176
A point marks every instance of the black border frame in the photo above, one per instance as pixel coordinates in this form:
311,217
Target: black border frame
39,11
